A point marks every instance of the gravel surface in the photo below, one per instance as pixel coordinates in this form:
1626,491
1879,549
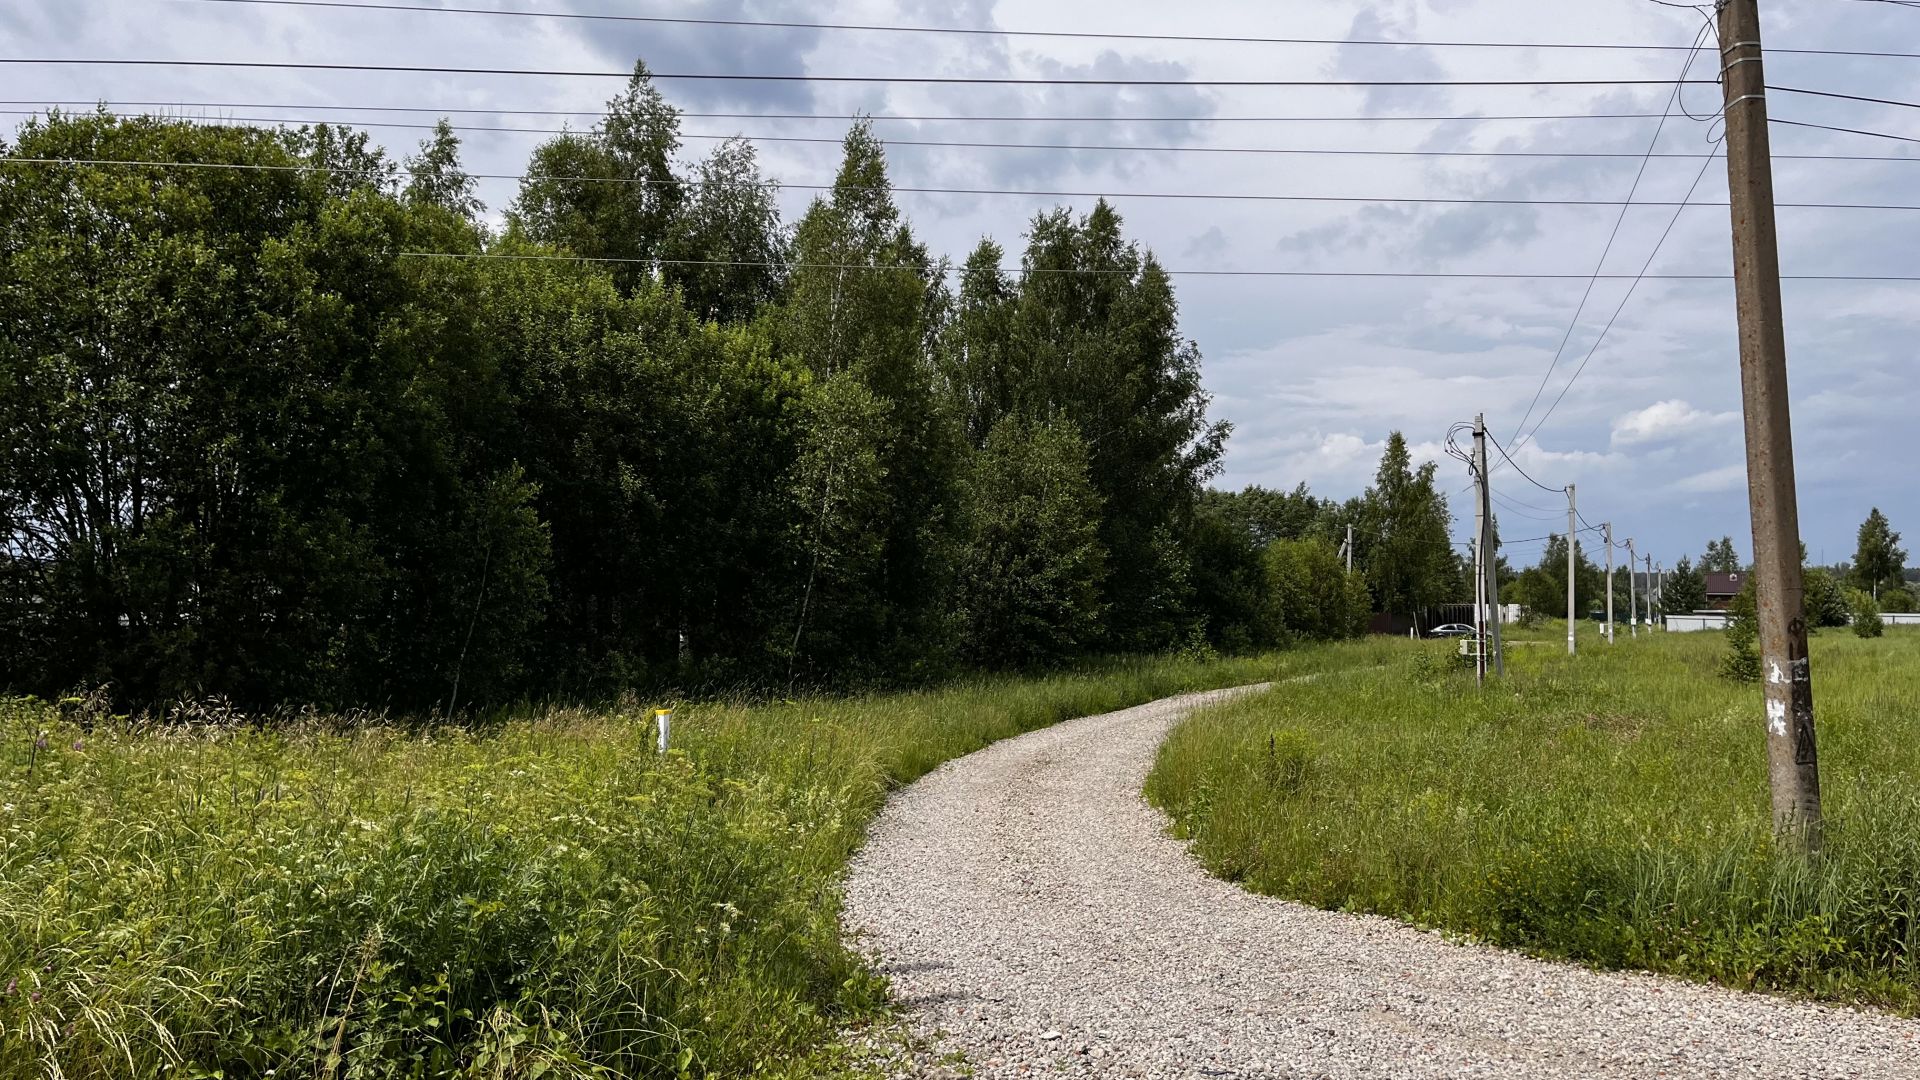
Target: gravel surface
1034,916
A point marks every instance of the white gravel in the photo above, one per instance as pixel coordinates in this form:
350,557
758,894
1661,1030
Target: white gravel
1034,917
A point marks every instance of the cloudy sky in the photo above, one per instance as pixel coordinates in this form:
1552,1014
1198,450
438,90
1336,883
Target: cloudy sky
1313,372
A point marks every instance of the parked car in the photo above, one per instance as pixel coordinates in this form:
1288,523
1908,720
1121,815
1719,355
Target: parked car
1452,629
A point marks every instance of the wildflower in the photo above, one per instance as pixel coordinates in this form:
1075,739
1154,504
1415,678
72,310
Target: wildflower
77,744
12,985
35,996
40,743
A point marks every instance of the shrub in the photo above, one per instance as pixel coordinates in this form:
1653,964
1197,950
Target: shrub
1866,615
1826,599
1742,662
1896,600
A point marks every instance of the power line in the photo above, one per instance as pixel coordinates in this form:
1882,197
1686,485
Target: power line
1622,306
1419,274
1508,458
1618,221
1845,97
719,76
1021,192
1077,147
842,117
1084,35
1843,130
1519,507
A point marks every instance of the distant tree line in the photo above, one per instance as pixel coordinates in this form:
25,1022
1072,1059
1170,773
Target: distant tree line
253,443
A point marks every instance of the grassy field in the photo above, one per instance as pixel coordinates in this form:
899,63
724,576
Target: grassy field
544,897
1610,808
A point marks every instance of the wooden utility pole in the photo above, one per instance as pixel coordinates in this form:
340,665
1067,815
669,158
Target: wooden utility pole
1608,527
1571,537
1792,764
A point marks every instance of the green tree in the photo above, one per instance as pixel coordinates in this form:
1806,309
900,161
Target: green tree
1094,336
1410,562
840,483
227,466
1896,600
1266,515
1029,588
1742,660
610,193
725,247
865,305
1229,581
1878,561
1311,596
435,177
1543,587
977,367
1685,588
1720,558
1825,599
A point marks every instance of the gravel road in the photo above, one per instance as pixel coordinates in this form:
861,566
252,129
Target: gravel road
1034,916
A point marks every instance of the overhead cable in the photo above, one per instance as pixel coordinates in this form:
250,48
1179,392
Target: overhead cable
1632,286
1075,147
843,117
982,31
1015,192
728,76
1619,220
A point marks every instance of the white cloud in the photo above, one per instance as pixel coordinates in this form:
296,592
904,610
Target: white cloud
1664,420
1725,478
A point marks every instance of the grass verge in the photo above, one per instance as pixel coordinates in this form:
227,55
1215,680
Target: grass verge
545,897
1609,808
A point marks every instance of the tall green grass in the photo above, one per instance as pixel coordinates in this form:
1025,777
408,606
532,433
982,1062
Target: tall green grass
1610,808
544,897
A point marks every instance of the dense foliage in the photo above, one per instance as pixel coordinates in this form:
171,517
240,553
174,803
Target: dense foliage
299,426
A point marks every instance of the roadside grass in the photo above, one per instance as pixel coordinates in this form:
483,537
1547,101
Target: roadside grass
545,896
1609,808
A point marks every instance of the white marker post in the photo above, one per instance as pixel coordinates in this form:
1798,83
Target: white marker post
663,720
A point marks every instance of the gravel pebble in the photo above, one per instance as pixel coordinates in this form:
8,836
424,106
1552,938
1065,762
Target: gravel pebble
1034,917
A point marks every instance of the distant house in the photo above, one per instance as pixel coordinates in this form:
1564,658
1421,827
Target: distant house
1722,588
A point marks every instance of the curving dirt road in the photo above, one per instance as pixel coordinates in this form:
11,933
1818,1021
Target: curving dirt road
1034,916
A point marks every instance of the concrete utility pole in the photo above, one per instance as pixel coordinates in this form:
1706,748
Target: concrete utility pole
1608,526
1571,536
1633,612
1349,549
1479,591
1651,593
1487,585
1793,765
1492,567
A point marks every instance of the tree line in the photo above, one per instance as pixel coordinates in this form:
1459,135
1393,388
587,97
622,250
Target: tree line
290,422
1833,595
